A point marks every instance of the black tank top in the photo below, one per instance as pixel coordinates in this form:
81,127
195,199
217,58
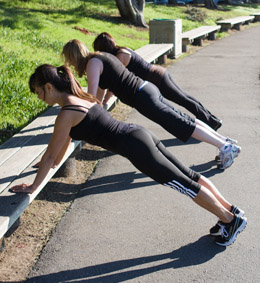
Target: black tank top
118,79
98,128
138,65
145,70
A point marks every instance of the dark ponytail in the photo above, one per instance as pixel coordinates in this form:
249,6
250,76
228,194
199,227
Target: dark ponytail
105,42
61,78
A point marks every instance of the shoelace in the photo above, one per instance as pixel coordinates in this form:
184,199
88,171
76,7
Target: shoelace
224,232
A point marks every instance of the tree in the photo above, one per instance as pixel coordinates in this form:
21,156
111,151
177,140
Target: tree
132,10
173,2
210,4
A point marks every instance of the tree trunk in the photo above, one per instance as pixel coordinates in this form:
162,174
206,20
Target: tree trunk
132,10
173,2
210,4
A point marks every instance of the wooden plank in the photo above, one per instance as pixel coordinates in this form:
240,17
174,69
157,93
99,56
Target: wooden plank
160,50
151,52
23,157
196,36
236,20
257,17
12,205
199,32
111,103
19,140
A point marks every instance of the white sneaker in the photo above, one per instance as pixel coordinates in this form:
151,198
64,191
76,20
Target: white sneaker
228,153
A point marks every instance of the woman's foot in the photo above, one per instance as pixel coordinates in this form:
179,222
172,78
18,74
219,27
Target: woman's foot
230,231
228,153
216,230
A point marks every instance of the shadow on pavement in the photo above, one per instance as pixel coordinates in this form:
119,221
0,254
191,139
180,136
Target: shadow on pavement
177,142
207,169
125,181
115,183
192,254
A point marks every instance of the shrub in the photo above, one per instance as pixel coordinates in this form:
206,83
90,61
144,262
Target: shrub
195,14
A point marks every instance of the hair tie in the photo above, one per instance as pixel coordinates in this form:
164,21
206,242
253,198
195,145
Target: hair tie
60,71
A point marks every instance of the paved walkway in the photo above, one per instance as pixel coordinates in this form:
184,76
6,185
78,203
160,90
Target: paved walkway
124,227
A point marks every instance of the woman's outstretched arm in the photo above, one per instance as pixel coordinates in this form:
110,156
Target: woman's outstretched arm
55,151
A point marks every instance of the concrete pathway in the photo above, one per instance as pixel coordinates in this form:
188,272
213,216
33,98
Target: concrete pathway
124,227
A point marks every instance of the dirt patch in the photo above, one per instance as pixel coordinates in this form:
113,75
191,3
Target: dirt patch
24,246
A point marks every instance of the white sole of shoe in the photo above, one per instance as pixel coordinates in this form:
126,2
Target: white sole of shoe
241,213
216,234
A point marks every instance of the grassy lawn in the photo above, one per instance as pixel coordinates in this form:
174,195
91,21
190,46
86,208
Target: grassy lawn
33,32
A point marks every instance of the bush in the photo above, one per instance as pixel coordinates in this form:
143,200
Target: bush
195,14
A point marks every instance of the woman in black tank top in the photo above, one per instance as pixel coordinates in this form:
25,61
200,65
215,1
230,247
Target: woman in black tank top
82,118
105,71
158,75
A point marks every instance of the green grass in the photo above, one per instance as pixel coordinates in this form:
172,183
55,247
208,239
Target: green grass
33,32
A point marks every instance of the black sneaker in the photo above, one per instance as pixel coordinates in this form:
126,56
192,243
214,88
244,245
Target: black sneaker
216,230
230,231
237,211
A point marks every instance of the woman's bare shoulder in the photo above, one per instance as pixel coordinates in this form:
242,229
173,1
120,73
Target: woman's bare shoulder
124,56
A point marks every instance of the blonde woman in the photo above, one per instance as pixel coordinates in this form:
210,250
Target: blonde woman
105,71
157,75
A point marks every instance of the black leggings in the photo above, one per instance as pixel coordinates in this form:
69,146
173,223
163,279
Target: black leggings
150,156
149,102
173,92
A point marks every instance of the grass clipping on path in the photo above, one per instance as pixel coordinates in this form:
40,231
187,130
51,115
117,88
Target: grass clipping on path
24,246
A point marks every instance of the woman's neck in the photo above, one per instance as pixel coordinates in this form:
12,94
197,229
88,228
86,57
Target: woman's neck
63,98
